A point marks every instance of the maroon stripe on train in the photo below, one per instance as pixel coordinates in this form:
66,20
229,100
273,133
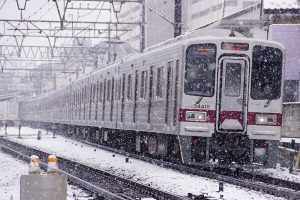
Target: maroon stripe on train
252,118
210,117
231,115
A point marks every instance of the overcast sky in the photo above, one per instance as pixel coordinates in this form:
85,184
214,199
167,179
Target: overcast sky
46,10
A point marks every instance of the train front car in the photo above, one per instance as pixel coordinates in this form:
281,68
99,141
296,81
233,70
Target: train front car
231,101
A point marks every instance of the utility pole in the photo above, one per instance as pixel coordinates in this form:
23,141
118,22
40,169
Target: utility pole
177,18
142,26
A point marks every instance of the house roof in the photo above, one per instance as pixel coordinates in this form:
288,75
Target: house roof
281,6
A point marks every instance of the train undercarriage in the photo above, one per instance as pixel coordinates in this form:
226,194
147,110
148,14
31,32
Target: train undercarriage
217,150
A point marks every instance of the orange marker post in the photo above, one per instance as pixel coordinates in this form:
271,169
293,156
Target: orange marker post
52,165
34,165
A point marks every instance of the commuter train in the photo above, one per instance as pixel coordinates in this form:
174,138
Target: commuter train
198,99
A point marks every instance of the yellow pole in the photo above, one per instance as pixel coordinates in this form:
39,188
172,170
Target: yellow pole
297,163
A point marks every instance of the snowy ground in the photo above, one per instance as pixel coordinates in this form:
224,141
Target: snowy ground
10,180
143,172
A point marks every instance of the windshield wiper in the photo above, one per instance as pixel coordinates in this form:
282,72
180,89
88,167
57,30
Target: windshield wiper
199,100
268,102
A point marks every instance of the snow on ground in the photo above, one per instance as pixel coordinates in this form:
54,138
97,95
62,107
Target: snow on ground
10,180
289,140
283,174
143,172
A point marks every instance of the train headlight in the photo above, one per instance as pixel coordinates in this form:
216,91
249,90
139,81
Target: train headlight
195,116
266,119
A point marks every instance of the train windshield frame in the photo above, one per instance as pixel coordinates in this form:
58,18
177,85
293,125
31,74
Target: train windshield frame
200,68
266,73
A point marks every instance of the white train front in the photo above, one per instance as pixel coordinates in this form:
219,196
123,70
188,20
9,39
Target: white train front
198,99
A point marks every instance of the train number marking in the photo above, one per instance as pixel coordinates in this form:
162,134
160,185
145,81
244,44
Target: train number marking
206,107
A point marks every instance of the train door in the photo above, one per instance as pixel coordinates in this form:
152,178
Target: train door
232,99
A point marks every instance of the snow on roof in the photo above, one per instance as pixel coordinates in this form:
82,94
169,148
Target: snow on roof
281,4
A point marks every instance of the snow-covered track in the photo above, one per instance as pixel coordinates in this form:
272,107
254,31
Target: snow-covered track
249,180
102,183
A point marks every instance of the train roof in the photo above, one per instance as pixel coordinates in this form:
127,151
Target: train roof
209,34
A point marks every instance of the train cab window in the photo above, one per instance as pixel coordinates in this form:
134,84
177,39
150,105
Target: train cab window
129,87
200,67
233,79
159,82
266,74
144,79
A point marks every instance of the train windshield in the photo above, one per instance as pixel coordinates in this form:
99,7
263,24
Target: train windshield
266,73
200,70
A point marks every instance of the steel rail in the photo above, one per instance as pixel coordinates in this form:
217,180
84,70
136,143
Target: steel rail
75,180
121,187
249,180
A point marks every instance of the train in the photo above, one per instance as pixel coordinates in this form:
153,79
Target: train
199,100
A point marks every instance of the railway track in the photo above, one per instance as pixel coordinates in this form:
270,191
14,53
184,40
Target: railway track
102,184
246,179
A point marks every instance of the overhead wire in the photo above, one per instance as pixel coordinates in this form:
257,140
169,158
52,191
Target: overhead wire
28,16
3,4
90,11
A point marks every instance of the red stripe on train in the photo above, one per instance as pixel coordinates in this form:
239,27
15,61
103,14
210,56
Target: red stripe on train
211,116
252,118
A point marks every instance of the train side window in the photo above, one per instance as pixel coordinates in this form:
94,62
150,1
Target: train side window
85,95
120,89
82,93
144,79
112,97
108,91
104,91
74,98
100,92
176,93
97,92
159,82
116,95
94,93
136,83
170,78
90,93
129,87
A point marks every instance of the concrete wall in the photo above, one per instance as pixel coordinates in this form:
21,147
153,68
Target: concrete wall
289,36
291,120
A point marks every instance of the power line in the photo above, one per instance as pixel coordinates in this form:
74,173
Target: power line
3,4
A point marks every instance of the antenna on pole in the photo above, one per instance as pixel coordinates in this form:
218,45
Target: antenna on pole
177,18
232,34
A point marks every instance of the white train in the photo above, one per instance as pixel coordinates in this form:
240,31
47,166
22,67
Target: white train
197,98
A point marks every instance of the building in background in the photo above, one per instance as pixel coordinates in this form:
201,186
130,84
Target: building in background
203,12
159,16
285,29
